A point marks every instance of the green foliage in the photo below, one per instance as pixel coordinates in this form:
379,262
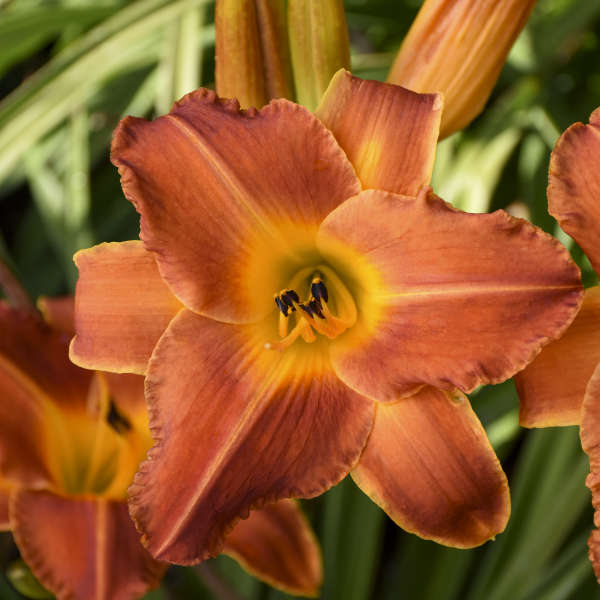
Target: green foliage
70,69
24,581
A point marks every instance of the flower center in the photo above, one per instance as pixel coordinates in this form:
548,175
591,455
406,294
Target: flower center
324,292
99,445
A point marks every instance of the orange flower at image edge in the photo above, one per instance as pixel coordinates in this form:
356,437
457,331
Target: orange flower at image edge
562,386
70,442
303,307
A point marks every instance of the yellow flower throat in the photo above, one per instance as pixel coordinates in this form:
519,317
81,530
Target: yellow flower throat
314,313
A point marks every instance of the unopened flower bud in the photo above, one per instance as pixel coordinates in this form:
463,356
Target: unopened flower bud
319,46
252,53
458,47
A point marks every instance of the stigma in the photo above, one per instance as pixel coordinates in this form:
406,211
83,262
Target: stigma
313,315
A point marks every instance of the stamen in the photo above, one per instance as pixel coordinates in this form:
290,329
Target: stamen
288,340
283,325
315,306
281,306
119,422
289,297
307,309
318,289
314,315
308,335
335,320
347,315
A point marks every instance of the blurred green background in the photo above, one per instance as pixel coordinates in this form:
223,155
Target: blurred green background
70,69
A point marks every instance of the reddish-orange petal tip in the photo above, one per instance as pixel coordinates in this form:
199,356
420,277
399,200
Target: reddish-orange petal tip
236,426
463,299
41,353
574,185
552,387
197,176
594,552
82,549
35,376
58,312
277,545
429,465
122,307
388,132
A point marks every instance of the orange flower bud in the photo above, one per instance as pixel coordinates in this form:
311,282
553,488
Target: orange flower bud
319,46
252,54
458,48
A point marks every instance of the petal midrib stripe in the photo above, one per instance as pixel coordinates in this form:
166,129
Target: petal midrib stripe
219,166
250,413
465,291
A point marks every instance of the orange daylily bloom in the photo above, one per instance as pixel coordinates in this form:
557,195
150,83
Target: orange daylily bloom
308,326
70,442
562,386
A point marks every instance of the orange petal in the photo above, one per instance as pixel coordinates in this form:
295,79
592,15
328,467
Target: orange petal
236,426
36,350
389,133
122,307
84,549
24,437
590,441
35,376
58,312
217,189
594,552
574,185
464,299
6,489
552,387
278,545
430,466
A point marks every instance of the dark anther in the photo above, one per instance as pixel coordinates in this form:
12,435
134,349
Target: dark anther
307,309
286,300
282,306
318,290
291,294
288,297
315,306
116,420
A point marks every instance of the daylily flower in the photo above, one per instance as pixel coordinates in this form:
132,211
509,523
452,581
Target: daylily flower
306,325
562,386
70,442
458,48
